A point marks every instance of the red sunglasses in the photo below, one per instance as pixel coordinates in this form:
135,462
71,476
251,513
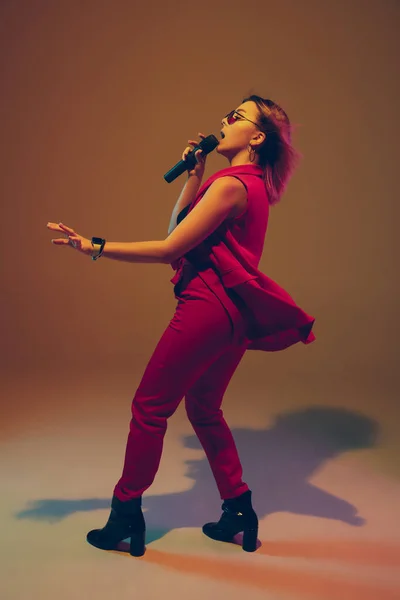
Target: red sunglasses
235,116
232,117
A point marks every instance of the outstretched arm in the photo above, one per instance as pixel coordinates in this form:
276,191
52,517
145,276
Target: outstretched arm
223,199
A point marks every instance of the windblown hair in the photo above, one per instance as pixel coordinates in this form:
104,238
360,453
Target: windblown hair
277,157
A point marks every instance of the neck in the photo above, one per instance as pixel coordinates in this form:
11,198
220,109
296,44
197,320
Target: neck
242,158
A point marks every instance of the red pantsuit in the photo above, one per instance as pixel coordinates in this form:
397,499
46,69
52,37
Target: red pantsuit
225,306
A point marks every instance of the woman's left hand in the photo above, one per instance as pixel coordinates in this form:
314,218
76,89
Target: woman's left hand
72,239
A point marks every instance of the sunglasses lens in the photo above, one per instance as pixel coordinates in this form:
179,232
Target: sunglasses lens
231,118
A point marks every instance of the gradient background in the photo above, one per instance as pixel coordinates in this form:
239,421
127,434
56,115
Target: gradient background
97,102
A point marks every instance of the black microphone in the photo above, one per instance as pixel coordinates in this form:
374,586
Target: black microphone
207,145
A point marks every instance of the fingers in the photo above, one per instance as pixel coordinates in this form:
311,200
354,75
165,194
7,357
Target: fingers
61,228
185,152
198,154
65,228
58,227
69,241
194,143
61,241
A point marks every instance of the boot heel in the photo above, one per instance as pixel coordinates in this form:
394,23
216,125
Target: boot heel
249,543
137,544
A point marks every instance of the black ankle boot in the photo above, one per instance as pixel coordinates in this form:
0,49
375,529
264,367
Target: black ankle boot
125,521
238,516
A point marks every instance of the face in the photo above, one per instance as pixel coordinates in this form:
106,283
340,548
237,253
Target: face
239,134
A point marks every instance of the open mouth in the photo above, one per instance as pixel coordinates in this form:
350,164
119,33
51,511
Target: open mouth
222,135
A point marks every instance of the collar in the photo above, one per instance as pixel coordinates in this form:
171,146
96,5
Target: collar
243,169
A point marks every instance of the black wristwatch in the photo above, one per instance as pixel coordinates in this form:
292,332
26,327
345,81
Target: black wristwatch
98,241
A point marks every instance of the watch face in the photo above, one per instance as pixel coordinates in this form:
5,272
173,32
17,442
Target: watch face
96,240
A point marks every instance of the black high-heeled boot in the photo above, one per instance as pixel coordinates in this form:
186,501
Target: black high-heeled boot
126,520
238,516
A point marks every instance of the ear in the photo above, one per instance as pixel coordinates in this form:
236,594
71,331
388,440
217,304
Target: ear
260,138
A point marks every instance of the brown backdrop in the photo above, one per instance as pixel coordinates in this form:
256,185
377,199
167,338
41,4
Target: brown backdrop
98,100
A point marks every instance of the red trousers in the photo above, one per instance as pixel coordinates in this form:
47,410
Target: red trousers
195,358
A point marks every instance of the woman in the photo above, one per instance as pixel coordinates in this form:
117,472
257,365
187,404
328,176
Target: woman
225,306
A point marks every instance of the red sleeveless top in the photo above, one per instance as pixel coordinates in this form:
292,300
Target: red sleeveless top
234,251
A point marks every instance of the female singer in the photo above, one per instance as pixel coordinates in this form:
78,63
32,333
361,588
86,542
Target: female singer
225,306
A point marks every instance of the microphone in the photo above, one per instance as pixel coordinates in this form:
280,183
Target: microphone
207,145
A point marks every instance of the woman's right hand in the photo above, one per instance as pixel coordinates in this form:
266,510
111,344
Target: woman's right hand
200,165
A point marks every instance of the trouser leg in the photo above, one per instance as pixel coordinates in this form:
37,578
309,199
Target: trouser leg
203,406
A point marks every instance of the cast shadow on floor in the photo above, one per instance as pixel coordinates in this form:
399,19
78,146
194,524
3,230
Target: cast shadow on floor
278,463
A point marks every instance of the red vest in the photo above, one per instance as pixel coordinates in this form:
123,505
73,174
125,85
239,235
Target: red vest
233,251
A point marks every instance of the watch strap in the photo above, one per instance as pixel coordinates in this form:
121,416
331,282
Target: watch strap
99,242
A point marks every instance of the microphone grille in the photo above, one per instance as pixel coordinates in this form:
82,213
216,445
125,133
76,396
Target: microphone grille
209,143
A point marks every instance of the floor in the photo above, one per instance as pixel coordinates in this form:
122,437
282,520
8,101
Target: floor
321,457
